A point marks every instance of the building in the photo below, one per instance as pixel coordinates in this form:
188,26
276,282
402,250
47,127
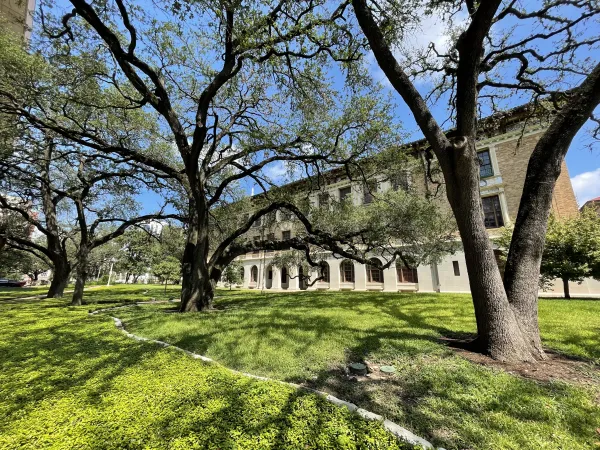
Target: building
593,203
19,14
505,146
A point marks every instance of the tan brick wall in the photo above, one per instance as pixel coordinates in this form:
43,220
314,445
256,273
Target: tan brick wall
512,163
16,13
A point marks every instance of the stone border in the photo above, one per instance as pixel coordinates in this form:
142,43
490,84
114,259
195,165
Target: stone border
398,431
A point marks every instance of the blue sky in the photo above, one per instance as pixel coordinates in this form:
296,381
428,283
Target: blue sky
583,159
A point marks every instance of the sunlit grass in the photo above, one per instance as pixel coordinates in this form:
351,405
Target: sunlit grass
309,337
70,380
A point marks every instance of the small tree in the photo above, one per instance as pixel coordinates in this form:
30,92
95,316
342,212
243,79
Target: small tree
571,250
232,274
167,270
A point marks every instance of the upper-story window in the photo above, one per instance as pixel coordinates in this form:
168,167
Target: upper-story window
324,200
270,238
369,189
401,180
345,193
257,223
485,164
492,212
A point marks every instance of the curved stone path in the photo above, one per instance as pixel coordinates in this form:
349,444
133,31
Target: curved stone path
400,432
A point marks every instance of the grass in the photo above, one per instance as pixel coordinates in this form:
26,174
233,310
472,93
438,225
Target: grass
309,337
70,380
7,293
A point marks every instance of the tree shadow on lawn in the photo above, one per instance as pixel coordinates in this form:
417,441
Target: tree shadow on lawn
129,394
447,399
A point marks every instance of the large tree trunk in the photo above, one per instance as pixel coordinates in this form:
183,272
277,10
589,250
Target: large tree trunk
60,279
82,274
527,246
197,289
498,327
198,295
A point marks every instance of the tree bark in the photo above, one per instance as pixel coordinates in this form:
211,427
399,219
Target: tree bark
527,245
82,274
566,288
60,279
197,291
498,328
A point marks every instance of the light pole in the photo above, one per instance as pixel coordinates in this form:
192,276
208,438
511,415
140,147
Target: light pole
112,261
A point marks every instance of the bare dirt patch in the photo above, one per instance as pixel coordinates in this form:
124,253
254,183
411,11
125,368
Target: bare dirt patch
557,367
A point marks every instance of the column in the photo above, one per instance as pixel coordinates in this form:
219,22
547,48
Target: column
276,282
314,274
360,277
334,274
246,281
389,279
294,283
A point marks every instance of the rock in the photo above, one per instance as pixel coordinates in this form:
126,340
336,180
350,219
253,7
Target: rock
388,369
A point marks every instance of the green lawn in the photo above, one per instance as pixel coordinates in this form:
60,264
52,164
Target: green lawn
309,337
69,380
7,293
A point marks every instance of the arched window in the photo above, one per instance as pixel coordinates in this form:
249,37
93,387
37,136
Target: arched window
374,273
406,275
324,272
284,275
254,274
347,271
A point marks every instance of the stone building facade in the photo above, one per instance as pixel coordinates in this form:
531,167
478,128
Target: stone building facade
18,13
504,155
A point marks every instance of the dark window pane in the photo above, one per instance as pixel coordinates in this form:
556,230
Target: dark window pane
485,164
492,212
347,272
368,190
406,275
374,274
401,180
456,268
345,193
324,200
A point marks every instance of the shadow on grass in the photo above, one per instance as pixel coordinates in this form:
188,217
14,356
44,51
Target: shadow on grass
73,379
310,337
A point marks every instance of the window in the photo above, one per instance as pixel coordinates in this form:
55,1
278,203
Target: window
324,200
253,274
270,274
270,238
284,275
256,243
485,164
286,235
325,272
347,271
369,189
456,268
345,193
407,275
257,222
401,180
242,273
492,212
374,273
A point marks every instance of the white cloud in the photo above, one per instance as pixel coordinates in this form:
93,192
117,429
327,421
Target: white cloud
431,29
586,185
276,170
